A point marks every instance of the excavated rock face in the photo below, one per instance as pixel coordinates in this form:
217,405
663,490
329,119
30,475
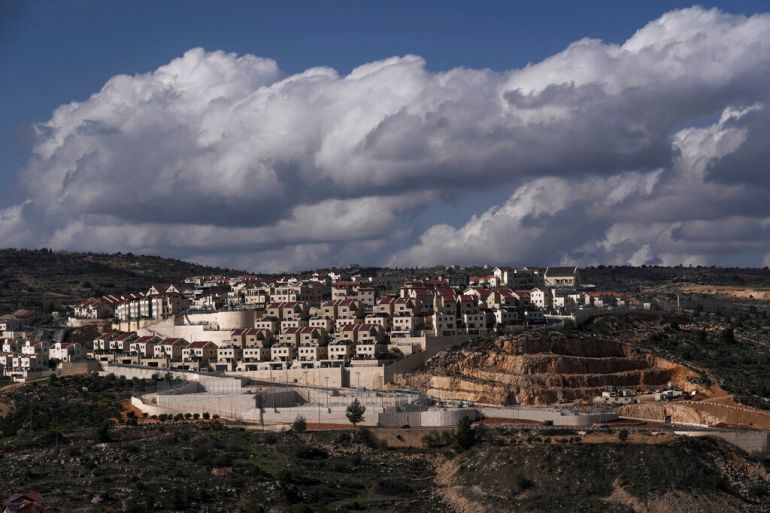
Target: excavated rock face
543,368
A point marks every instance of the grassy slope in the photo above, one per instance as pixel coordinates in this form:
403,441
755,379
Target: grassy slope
25,275
741,364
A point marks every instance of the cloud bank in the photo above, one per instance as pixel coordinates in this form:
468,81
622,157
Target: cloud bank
653,151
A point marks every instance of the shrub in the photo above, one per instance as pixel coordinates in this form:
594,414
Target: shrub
103,433
524,483
623,435
299,425
437,439
206,415
355,412
465,436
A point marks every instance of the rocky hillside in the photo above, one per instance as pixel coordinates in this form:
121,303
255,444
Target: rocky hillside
543,367
38,278
544,475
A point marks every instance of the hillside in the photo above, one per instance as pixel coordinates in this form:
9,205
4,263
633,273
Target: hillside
30,278
631,278
542,368
86,455
545,474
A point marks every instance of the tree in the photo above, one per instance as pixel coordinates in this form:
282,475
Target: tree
299,425
727,336
465,436
103,433
355,412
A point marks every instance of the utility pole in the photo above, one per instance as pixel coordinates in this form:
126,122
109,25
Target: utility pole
326,378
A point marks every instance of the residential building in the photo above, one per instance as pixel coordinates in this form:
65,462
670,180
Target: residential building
201,351
562,277
67,352
341,350
170,348
144,346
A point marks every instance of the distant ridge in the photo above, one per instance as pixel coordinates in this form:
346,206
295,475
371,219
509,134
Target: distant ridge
47,279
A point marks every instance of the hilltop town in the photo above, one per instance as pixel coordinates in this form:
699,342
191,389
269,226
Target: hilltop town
446,368
292,323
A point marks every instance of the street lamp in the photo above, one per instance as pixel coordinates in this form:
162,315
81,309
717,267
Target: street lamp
326,378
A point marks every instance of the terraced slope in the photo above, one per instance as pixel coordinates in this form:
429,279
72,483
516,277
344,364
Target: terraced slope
544,368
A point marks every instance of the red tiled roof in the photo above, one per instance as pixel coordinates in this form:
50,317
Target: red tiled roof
24,314
172,341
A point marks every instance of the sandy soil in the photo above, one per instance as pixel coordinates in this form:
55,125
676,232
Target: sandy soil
724,290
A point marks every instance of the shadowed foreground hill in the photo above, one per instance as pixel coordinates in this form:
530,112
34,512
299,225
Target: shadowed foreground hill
26,275
551,474
85,452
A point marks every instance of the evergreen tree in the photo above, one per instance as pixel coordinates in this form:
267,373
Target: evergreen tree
355,412
465,436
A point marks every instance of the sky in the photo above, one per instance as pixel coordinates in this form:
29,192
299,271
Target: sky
279,136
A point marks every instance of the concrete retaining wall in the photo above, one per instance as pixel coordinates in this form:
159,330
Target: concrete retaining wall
558,417
411,363
221,320
429,418
74,368
753,442
218,384
337,377
150,409
227,406
314,414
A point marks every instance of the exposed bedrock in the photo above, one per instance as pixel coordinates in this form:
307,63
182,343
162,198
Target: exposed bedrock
544,368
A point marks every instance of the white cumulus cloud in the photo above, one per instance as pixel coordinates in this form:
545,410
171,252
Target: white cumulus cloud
226,159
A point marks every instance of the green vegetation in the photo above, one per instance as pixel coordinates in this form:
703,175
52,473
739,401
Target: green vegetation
355,412
299,425
71,404
42,278
465,436
510,476
728,339
86,461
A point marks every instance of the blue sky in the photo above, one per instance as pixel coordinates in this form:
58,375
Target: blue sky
54,52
